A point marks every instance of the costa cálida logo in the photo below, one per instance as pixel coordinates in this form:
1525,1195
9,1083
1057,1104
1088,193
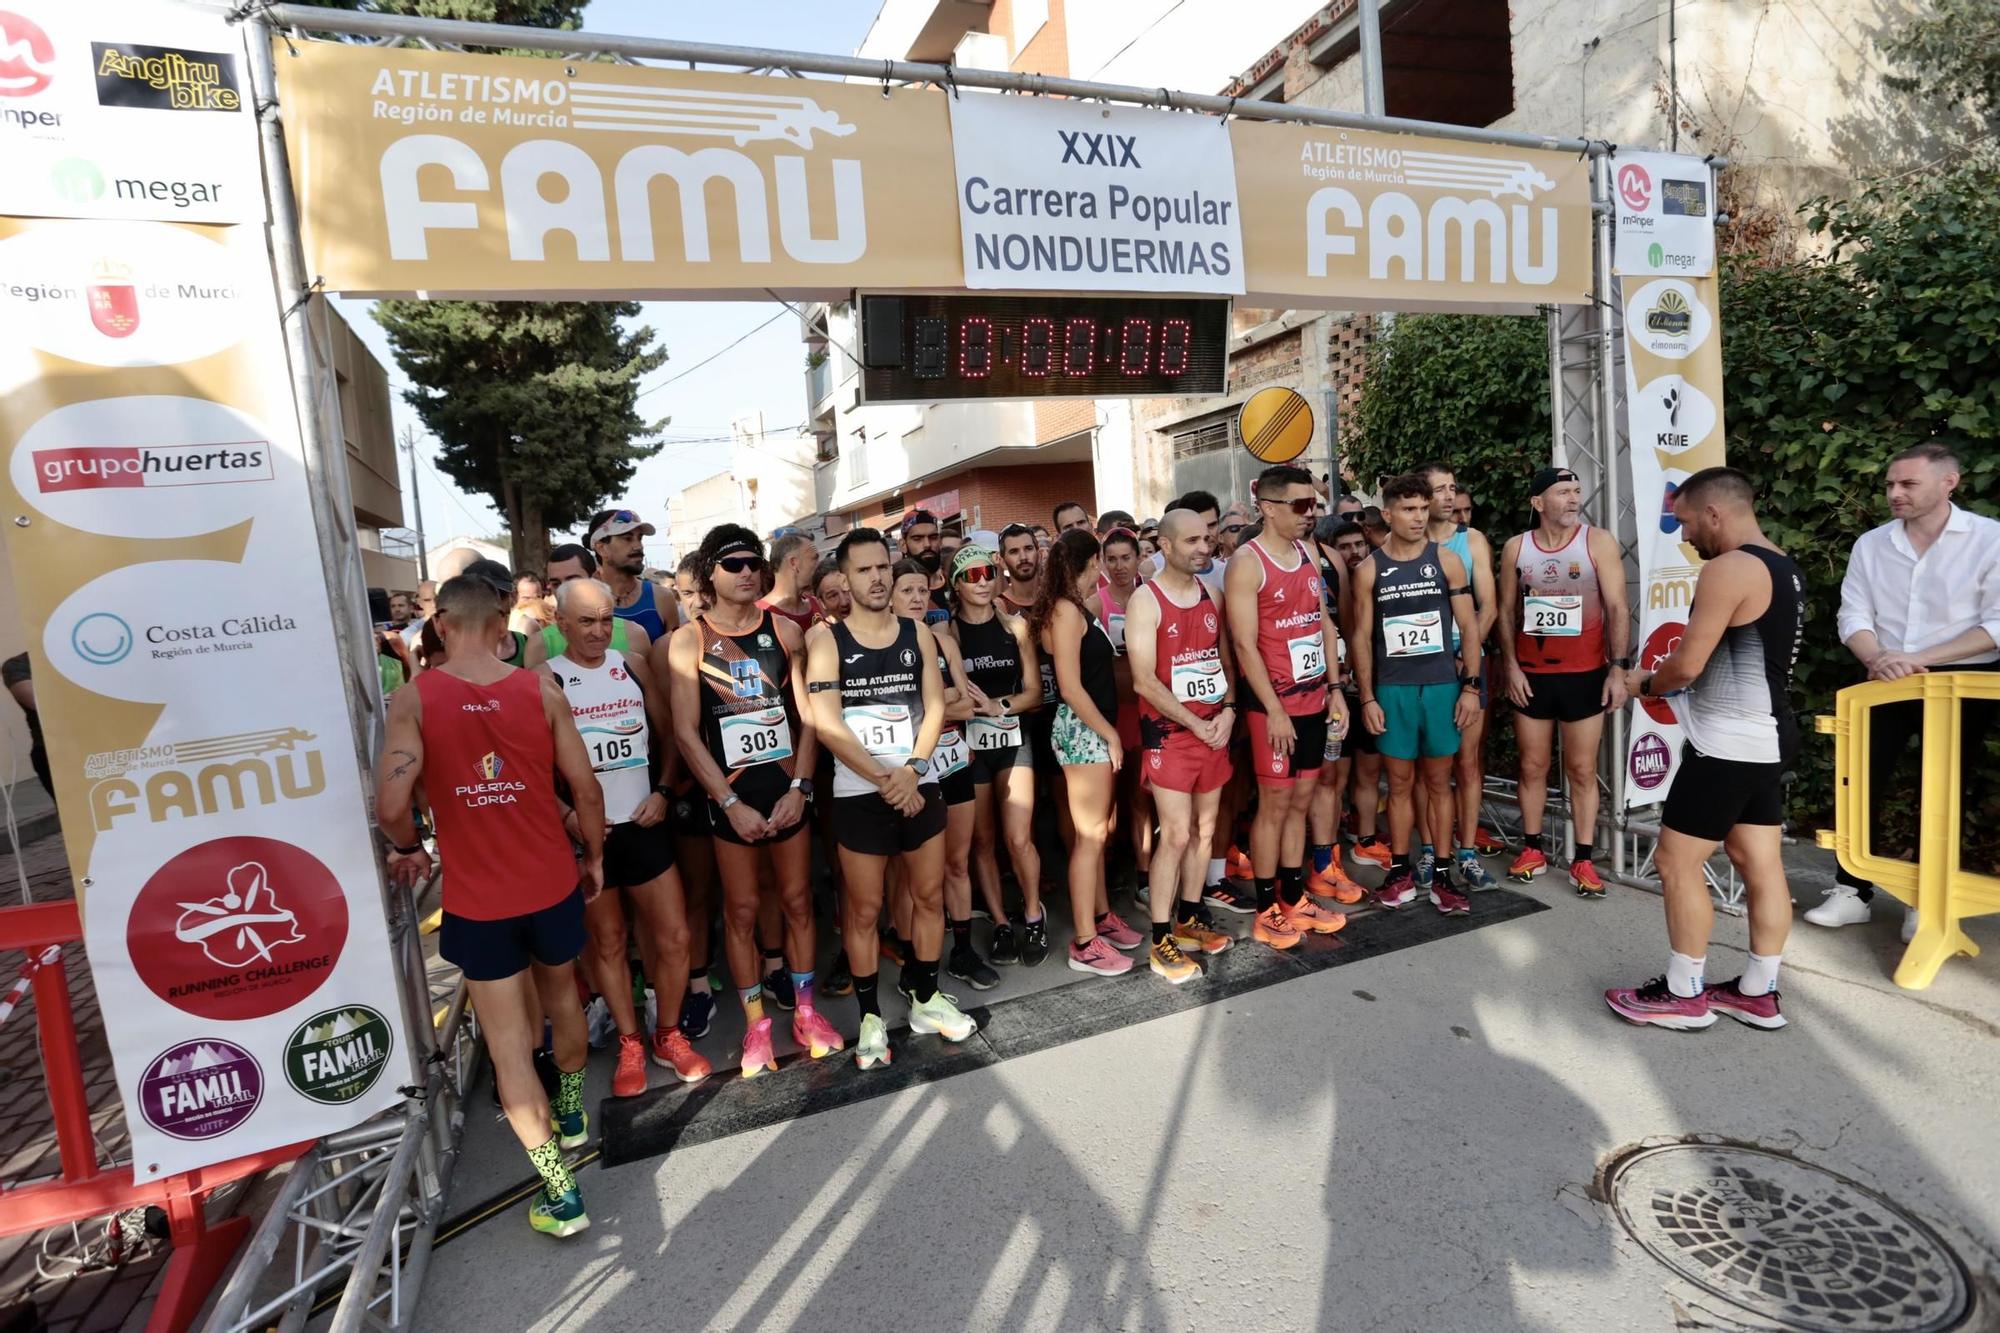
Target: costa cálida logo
114,300
165,78
146,466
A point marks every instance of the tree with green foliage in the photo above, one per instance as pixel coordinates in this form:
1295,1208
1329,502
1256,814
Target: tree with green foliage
524,13
1955,51
534,403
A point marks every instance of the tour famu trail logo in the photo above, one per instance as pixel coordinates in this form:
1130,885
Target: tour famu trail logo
491,766
114,301
27,56
1671,316
336,1056
200,1089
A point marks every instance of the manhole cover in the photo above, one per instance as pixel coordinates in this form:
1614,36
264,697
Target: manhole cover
1790,1243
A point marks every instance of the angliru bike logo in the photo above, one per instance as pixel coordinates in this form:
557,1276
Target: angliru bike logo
336,1056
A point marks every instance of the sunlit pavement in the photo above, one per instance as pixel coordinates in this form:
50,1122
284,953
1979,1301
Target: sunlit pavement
1408,1140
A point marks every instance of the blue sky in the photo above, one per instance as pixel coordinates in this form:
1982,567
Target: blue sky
765,373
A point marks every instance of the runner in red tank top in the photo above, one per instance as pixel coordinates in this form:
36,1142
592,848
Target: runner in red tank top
1284,640
488,741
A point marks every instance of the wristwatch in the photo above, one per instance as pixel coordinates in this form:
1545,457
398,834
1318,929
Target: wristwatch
1622,663
923,766
1006,704
1646,686
803,786
411,850
734,799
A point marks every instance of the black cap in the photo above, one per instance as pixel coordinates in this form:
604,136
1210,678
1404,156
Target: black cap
1548,477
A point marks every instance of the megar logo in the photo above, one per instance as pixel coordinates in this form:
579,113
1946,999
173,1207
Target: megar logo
118,466
77,180
27,56
165,78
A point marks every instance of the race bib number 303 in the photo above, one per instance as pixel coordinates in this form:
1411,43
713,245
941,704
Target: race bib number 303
756,738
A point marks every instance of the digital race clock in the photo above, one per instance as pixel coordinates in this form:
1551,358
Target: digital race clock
921,349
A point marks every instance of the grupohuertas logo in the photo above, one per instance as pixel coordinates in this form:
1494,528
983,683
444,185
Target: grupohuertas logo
338,1055
150,466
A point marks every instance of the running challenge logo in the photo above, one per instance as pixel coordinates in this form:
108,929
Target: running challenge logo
141,467
27,56
165,78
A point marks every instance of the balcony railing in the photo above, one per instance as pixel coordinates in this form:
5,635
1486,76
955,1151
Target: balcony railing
819,384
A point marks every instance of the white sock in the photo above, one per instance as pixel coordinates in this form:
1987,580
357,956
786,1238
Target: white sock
699,984
1761,977
1215,869
1684,975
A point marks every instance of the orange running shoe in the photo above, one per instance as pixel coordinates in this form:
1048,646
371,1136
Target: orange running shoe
671,1051
1486,842
1239,866
1333,883
1272,927
1531,862
1197,936
1307,916
1375,852
1583,875
629,1079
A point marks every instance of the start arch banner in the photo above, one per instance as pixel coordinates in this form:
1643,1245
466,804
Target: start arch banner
446,174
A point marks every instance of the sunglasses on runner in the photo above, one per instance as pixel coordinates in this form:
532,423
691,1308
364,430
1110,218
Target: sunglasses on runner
740,564
977,573
1305,504
1233,529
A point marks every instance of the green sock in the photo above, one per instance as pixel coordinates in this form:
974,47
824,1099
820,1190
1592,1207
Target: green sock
569,1092
548,1160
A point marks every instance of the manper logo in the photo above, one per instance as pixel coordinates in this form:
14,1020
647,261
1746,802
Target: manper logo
200,1089
336,1056
27,57
114,301
165,78
237,928
105,466
1635,186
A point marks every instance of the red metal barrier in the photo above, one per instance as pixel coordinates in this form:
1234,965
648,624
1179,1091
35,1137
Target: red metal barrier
201,1253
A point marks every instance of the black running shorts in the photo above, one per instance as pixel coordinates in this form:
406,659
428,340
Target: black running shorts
870,825
635,856
496,950
1565,696
1712,796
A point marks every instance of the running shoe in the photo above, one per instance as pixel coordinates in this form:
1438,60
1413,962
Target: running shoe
1004,951
1112,927
1842,906
558,1217
1654,1004
1167,960
941,1014
1583,875
629,1078
815,1036
1273,928
1309,918
1034,942
778,985
1424,870
1196,935
697,1012
1531,862
572,1131
1098,956
1758,1011
1487,843
1474,875
757,1057
839,981
980,914
1239,866
1375,852
671,1051
1397,891
893,948
871,1048
1228,899
1333,883
1448,900
969,967
1142,894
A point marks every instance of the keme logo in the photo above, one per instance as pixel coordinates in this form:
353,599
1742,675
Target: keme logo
27,57
104,466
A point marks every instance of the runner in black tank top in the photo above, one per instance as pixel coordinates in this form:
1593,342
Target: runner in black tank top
748,719
1729,683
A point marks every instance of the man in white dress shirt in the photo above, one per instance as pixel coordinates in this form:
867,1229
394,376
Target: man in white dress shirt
1922,593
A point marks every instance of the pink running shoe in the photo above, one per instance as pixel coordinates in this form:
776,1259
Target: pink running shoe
1758,1011
1112,927
1653,1003
757,1057
814,1034
1399,890
1098,956
1449,901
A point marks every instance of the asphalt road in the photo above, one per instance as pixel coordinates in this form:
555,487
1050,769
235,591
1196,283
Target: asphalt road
1403,1141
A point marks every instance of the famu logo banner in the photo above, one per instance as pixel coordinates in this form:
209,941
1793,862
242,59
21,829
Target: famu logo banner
337,1055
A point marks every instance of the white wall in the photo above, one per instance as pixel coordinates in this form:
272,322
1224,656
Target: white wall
1197,47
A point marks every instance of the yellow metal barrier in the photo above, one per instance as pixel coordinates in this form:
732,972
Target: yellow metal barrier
1943,893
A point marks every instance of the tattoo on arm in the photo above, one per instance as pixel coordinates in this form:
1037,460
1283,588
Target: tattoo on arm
409,761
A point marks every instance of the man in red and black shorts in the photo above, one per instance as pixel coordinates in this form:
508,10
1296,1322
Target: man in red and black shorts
1284,639
1181,670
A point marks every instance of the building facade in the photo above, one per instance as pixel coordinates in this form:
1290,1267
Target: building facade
764,481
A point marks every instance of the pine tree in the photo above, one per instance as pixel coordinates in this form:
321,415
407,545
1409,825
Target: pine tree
534,403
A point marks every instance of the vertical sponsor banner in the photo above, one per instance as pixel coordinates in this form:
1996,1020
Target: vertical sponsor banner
1665,215
1673,394
1074,196
162,543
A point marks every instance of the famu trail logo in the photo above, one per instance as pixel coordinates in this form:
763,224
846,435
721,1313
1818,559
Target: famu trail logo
336,1056
200,1089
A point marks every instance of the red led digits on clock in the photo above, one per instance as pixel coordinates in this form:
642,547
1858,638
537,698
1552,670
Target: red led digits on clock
975,347
1079,346
1038,337
1174,339
1135,346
